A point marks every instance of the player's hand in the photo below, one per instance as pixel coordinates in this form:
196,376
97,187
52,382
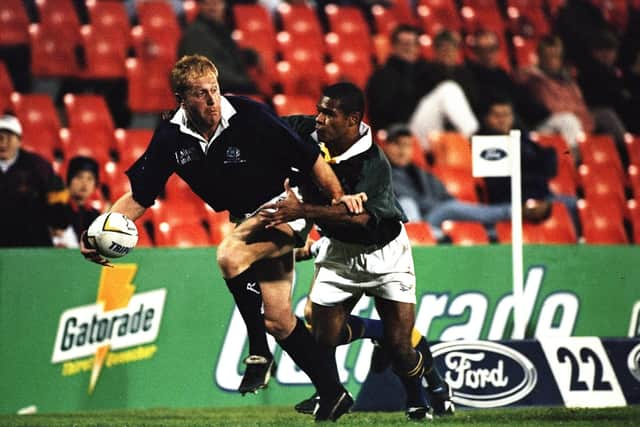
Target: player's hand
353,202
283,211
89,253
304,253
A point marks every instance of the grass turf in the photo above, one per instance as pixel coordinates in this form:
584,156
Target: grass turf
285,416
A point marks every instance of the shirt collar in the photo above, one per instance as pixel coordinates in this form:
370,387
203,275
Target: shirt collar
360,146
226,112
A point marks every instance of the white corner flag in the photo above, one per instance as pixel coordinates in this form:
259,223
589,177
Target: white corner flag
494,156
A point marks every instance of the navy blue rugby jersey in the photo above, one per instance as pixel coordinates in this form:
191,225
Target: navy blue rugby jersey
245,166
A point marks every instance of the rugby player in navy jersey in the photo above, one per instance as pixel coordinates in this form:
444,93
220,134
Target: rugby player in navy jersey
234,153
363,253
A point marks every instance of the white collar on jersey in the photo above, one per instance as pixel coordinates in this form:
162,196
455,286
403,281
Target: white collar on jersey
361,145
226,112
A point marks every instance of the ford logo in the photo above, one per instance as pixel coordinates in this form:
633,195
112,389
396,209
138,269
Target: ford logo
485,374
492,154
633,362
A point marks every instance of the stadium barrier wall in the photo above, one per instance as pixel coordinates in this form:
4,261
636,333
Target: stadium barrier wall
160,330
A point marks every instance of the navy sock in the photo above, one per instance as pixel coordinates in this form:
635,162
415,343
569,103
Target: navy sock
362,327
317,361
431,373
246,292
411,377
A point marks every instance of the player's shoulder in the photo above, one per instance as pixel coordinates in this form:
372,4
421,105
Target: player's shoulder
302,124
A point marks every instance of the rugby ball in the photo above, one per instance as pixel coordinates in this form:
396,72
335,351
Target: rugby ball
113,235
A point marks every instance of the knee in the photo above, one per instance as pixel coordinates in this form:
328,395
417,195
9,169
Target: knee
230,260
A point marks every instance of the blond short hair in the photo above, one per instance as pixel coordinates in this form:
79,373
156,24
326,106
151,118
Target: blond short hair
190,67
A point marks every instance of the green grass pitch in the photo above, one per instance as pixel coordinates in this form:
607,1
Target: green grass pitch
285,416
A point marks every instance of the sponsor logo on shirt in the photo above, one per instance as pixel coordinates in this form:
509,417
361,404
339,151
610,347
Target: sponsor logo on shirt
186,155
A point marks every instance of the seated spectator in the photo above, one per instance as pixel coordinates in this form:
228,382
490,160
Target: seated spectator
210,35
538,166
551,84
27,181
409,89
74,214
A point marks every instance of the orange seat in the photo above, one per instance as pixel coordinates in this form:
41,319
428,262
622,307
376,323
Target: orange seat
105,52
40,123
14,23
459,183
256,26
556,229
437,15
633,148
465,233
286,105
353,62
60,17
420,233
117,183
177,191
86,143
144,240
348,22
634,213
477,17
184,210
565,180
131,144
149,90
155,49
525,51
384,19
600,150
451,150
157,17
527,18
88,112
601,224
302,23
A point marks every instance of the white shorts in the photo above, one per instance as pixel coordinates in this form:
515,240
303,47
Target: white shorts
301,227
345,271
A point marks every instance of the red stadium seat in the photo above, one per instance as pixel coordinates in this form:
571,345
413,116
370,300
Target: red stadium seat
601,224
600,150
615,12
465,233
302,23
40,123
144,240
156,49
349,23
118,184
353,62
286,105
451,150
158,17
86,143
459,183
634,179
565,180
14,23
52,54
556,229
481,15
438,15
182,235
633,207
303,71
599,182
6,87
105,52
219,225
131,144
633,148
257,28
90,112
384,19
109,14
527,18
525,51
420,233
60,17
186,209
149,87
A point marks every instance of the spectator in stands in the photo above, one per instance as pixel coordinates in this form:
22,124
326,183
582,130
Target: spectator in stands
27,182
551,84
491,77
603,83
73,214
408,88
210,36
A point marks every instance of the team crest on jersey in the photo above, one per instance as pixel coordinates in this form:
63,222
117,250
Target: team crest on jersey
232,155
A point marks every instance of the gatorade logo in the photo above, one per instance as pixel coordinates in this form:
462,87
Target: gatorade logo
117,320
